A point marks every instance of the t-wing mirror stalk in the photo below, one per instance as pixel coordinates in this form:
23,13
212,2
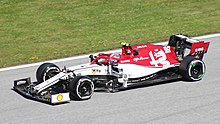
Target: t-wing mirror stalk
92,57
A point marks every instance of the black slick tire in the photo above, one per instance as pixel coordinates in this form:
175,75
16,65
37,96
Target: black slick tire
81,88
192,69
46,71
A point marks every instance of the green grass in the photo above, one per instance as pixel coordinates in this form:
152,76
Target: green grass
37,30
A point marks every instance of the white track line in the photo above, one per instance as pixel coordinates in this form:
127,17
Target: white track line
84,56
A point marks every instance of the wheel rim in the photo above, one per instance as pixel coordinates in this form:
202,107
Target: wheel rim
197,70
85,89
50,73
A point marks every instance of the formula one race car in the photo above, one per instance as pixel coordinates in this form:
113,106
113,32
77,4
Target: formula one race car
137,65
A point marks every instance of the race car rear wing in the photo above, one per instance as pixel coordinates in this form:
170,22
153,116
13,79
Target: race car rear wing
185,46
199,48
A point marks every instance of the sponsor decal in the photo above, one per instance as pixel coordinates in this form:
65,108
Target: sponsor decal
125,61
93,71
140,79
142,46
59,97
199,49
140,58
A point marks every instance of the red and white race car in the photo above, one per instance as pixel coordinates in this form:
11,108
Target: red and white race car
136,65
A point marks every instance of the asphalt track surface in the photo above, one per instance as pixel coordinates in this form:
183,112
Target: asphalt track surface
171,103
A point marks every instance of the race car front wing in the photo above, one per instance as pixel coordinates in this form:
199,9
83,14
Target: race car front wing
25,88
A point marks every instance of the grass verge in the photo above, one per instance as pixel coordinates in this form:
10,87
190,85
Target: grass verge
38,30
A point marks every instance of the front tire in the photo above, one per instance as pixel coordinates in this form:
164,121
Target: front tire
46,71
81,88
192,69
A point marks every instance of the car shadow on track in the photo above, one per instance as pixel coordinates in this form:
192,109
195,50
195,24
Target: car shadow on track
106,91
141,86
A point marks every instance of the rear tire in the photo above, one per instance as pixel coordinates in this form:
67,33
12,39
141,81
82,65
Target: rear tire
46,71
192,69
81,88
